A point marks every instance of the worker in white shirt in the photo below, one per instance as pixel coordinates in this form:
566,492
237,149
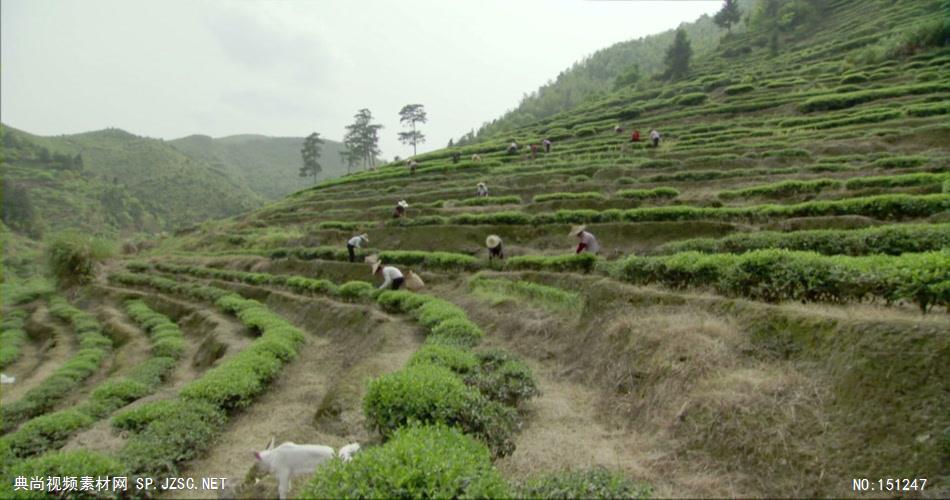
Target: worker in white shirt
392,277
585,240
355,242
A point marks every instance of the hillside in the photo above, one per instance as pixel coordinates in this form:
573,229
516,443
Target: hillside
768,316
111,180
267,165
597,74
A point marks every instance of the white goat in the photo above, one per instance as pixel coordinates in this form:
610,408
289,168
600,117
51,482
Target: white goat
4,379
346,453
290,459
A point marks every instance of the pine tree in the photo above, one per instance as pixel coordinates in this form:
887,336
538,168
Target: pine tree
728,15
409,115
311,155
362,138
678,55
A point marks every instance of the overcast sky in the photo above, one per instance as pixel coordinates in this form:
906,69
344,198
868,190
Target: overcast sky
287,68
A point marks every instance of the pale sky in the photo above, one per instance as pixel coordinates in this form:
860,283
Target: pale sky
173,68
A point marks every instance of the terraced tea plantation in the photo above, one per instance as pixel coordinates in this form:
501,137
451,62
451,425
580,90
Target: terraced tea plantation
767,316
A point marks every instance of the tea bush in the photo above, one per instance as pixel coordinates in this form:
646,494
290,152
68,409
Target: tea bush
660,193
13,337
93,347
690,99
488,200
456,332
738,89
583,262
71,256
433,461
900,161
454,358
591,483
891,240
846,100
775,275
435,260
896,180
588,195
781,189
502,377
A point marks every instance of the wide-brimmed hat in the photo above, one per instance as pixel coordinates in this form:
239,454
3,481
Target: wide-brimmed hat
577,230
364,237
492,241
480,184
376,266
371,259
403,204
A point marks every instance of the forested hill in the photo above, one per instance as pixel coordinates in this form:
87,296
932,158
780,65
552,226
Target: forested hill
111,181
268,165
599,72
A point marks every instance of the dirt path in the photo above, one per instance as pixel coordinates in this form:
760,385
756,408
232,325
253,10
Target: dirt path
345,345
34,366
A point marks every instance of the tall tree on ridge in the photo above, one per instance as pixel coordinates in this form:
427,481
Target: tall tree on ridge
728,15
409,115
311,156
362,138
677,56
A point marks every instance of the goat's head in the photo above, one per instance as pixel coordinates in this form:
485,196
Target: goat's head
346,453
262,463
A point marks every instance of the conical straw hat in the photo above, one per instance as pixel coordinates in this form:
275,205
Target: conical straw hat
376,266
492,241
403,204
577,230
365,237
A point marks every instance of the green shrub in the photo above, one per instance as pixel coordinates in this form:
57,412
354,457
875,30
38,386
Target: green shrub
575,179
46,432
437,260
13,336
401,301
896,181
588,195
657,164
488,200
776,275
179,433
502,377
436,311
591,483
900,162
853,78
939,108
342,225
454,358
690,99
583,262
781,189
891,240
584,132
418,462
456,332
846,100
738,89
660,193
72,256
356,290
138,418
509,217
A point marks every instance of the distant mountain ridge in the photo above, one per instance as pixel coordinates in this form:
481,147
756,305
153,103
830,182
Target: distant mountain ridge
111,180
268,165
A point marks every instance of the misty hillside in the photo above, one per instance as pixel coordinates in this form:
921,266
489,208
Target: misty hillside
267,165
598,73
111,180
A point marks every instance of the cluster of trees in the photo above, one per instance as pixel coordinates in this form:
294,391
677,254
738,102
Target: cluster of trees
361,140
